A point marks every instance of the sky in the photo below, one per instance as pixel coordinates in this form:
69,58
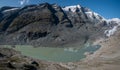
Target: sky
106,8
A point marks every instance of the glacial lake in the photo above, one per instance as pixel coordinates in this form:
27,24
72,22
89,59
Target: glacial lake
68,54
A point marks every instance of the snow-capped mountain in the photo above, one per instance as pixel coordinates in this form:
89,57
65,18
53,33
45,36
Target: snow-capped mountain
93,16
49,24
90,14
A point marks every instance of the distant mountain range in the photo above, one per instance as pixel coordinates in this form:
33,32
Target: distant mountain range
53,26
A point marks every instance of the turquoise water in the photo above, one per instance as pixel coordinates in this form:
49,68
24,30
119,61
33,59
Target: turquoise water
56,54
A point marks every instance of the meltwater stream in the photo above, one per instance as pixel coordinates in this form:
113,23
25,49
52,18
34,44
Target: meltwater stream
56,54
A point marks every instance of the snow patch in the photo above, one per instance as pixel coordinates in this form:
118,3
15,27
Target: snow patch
114,29
10,9
94,16
72,8
115,20
111,31
89,14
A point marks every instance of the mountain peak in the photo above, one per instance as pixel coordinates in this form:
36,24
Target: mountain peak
72,8
52,25
115,20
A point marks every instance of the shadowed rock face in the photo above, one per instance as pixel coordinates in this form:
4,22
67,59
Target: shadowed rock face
47,25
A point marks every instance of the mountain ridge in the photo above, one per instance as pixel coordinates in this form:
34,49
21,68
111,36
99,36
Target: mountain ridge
50,25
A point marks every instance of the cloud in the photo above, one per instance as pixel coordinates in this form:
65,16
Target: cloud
22,2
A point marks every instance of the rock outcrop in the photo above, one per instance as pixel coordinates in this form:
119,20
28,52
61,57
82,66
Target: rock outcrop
13,60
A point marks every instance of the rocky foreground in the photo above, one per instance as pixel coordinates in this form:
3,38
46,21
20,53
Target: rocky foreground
13,60
106,58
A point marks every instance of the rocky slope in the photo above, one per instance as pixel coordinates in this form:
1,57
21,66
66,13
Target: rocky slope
50,25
